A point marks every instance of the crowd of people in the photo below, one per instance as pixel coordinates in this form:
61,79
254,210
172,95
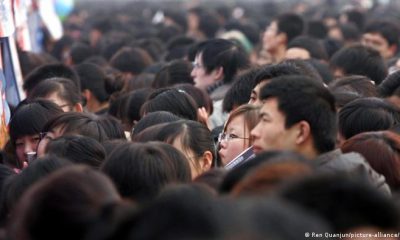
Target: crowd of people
258,121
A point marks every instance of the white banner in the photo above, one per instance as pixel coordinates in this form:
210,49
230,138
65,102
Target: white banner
6,19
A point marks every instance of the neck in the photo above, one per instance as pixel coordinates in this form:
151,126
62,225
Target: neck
278,54
95,106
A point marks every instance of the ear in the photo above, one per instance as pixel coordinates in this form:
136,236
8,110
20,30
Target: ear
206,161
78,107
303,132
282,38
87,94
393,49
219,73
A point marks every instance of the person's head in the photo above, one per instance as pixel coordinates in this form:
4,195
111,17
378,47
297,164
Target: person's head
202,24
361,85
177,71
235,137
25,126
172,100
131,61
366,115
62,205
281,31
93,82
342,201
152,119
71,123
382,152
78,53
297,114
383,36
202,99
390,88
77,149
112,126
305,47
141,170
240,91
50,71
359,60
285,68
192,138
217,60
18,184
316,29
61,91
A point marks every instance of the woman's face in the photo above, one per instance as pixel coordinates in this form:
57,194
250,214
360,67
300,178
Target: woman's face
46,138
237,140
24,145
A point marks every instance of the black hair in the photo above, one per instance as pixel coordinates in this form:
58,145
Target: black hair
322,68
177,71
79,52
152,119
173,100
343,202
200,96
141,170
240,91
311,45
389,30
30,118
77,149
361,85
390,85
208,21
112,126
50,71
223,53
291,24
367,114
131,60
193,135
356,17
85,124
302,98
317,29
94,79
62,87
360,60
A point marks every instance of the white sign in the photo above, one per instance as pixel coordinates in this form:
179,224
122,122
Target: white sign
6,19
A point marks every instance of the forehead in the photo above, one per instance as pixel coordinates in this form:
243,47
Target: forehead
375,36
271,107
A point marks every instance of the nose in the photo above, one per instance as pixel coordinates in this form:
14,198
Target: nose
254,132
193,73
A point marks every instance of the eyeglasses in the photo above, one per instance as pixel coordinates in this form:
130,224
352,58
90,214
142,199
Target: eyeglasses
197,65
227,137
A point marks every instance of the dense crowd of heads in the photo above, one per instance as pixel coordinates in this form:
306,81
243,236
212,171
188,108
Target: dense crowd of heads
249,120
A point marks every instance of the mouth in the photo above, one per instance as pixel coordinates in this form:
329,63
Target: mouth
257,149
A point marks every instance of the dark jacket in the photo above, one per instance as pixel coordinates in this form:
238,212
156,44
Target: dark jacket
352,164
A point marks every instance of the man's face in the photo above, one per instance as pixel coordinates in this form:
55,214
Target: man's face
379,43
201,78
270,132
255,93
271,38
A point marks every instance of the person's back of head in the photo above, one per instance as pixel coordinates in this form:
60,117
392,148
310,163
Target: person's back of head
49,71
343,202
200,96
390,86
77,149
317,29
152,119
359,60
172,100
79,52
361,85
365,115
62,205
141,170
311,46
60,91
177,71
113,127
382,152
131,60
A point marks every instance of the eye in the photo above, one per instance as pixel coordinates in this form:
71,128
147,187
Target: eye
233,136
19,143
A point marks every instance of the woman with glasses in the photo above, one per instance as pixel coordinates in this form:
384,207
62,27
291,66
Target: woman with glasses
235,137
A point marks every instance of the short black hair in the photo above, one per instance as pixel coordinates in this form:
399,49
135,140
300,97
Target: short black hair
389,30
94,79
79,52
177,71
223,53
366,115
291,24
311,45
131,60
152,119
141,170
360,60
173,100
302,98
390,85
50,71
240,91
